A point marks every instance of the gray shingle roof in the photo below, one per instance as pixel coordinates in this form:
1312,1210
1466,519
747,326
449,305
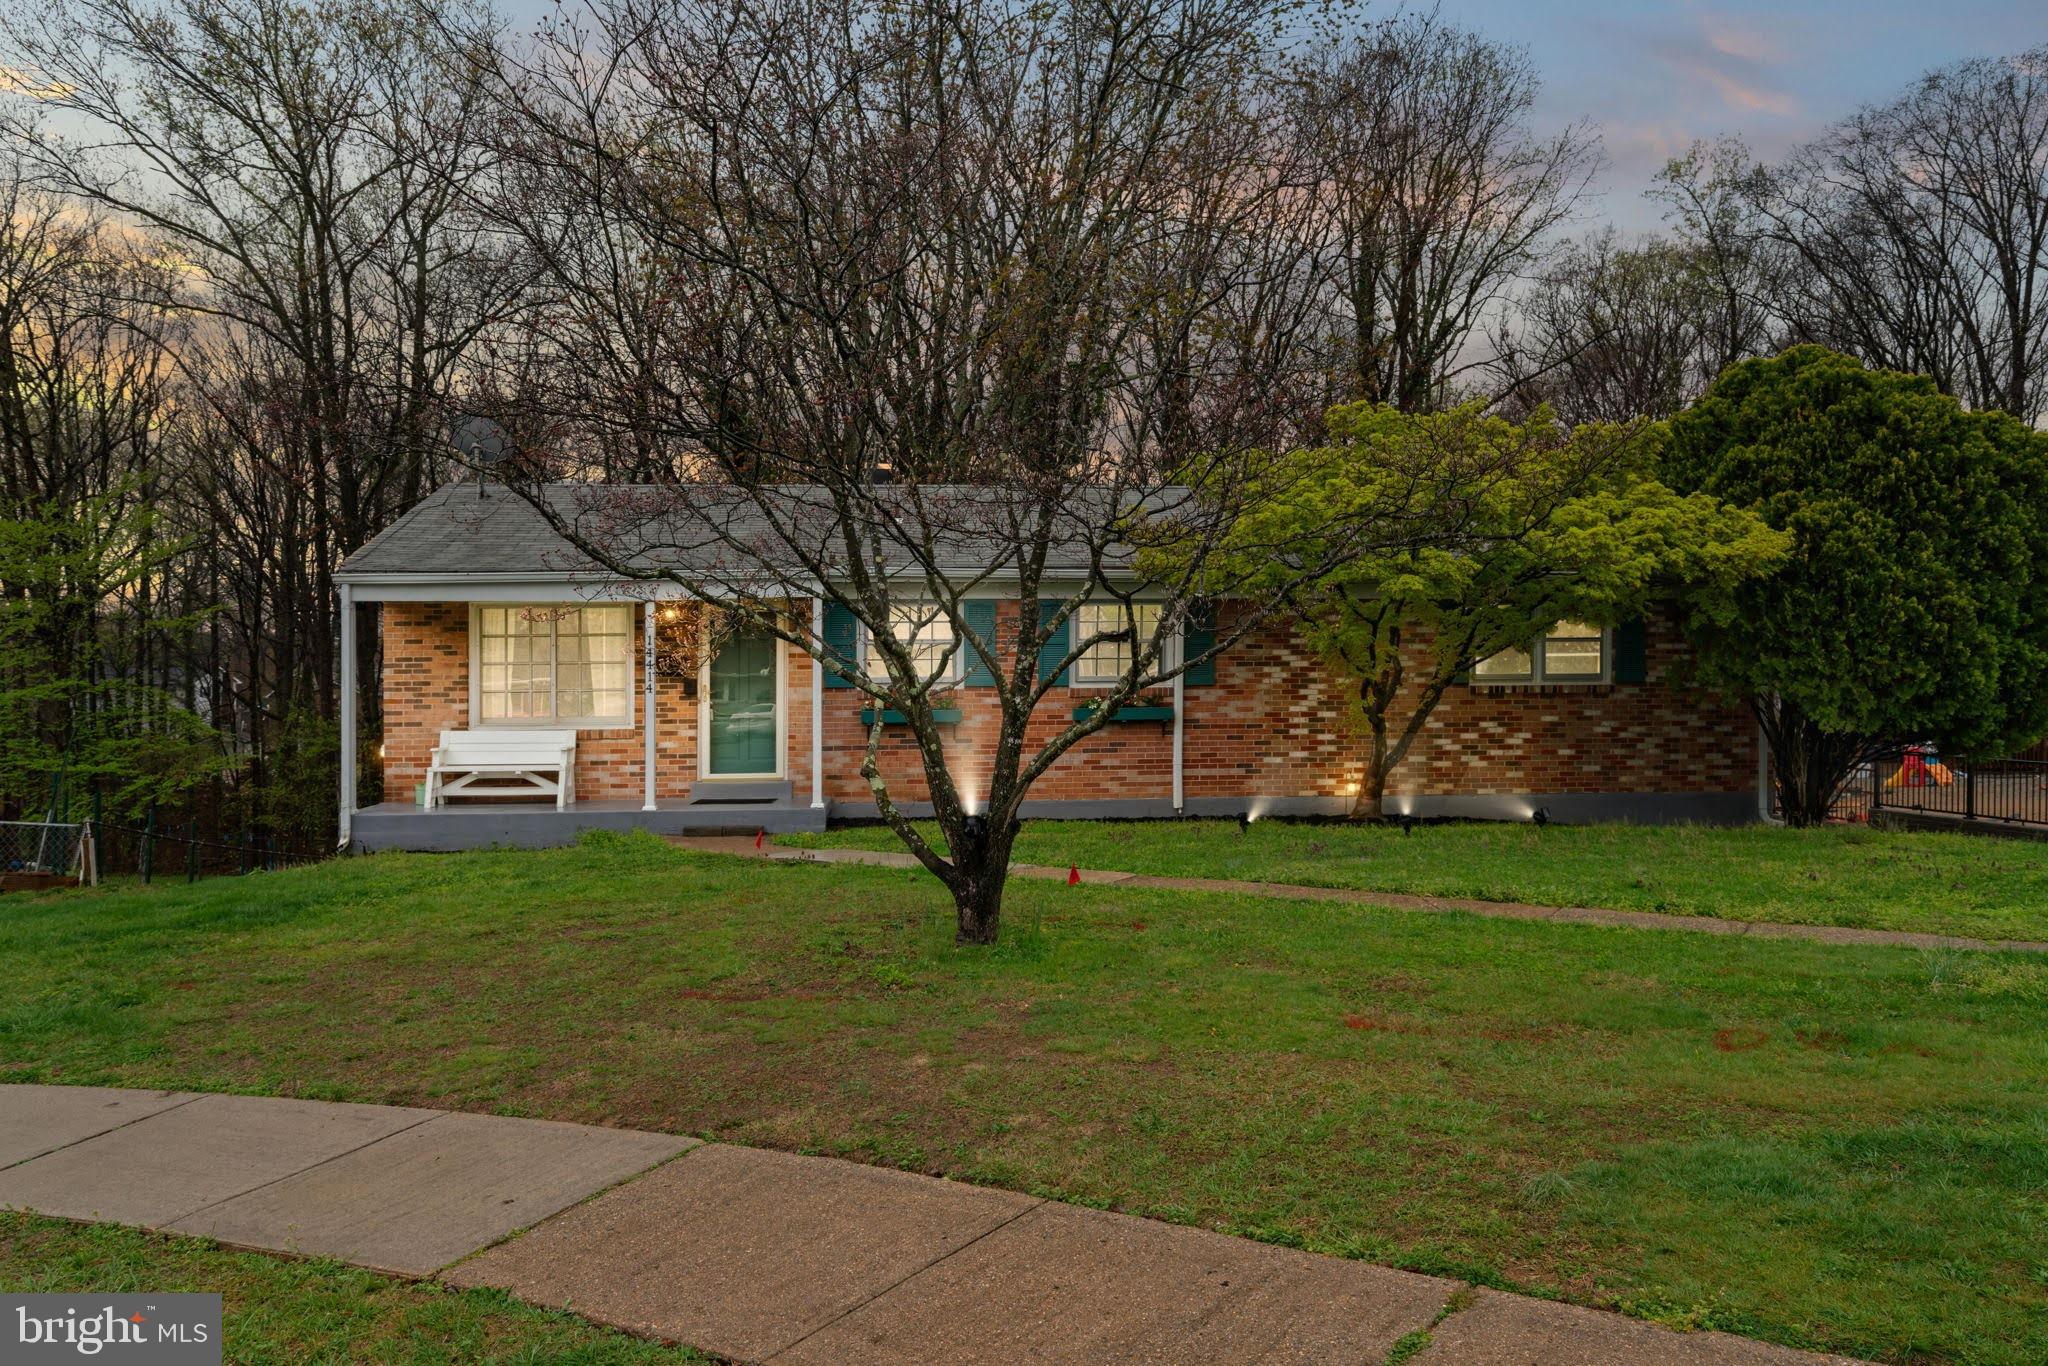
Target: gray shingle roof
470,529
464,529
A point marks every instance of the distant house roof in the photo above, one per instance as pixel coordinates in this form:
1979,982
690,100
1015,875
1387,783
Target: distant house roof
466,530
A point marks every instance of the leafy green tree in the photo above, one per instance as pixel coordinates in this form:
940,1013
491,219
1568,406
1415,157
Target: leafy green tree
69,711
1517,526
1914,604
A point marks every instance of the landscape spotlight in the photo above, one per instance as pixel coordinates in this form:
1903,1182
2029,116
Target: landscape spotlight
1244,822
1407,823
1541,815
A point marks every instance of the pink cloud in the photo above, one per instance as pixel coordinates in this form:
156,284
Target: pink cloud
1732,62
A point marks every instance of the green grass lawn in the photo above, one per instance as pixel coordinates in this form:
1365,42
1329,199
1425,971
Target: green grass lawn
1939,883
285,1311
1822,1145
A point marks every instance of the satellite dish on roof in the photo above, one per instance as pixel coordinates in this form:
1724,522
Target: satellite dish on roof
482,443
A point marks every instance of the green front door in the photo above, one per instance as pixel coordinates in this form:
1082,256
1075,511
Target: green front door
743,706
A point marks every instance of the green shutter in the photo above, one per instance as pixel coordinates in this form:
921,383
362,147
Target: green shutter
981,620
841,634
1197,636
1055,648
1631,652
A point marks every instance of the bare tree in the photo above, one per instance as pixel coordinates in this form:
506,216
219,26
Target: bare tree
1710,200
1612,332
304,165
90,627
1920,229
1437,197
957,314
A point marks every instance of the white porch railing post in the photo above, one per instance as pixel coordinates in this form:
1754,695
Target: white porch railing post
647,717
347,688
818,704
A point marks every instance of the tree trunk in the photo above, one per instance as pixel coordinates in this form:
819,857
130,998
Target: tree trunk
1376,696
980,870
1808,780
1788,773
1371,802
978,897
978,907
1808,765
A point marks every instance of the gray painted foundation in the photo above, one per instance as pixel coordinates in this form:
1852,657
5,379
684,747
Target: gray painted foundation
1564,808
1591,808
401,825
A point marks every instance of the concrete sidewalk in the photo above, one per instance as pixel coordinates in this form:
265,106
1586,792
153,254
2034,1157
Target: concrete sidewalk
395,1189
743,846
758,1255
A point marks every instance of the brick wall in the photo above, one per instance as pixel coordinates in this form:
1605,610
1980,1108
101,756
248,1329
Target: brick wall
426,690
1658,736
425,646
1276,723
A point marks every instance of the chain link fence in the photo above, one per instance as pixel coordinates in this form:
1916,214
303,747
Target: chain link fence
41,853
76,840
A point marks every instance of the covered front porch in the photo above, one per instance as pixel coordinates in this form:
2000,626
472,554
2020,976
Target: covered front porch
727,740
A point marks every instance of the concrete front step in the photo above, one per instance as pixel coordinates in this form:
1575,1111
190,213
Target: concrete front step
740,791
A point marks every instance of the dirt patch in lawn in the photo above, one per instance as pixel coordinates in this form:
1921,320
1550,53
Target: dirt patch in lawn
1739,1040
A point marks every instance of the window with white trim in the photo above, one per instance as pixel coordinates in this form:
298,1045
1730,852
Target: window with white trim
550,664
1106,661
1569,652
926,631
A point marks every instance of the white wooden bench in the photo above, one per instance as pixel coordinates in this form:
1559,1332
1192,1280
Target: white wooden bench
503,763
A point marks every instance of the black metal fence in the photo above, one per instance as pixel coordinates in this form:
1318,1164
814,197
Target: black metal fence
1918,781
199,838
154,850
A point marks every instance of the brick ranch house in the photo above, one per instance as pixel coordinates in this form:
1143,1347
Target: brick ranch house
492,626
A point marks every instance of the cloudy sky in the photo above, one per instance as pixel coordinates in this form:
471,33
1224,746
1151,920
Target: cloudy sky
1654,76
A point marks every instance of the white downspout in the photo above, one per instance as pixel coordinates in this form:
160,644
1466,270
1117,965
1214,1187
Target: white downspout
818,704
348,712
647,717
1179,721
1763,777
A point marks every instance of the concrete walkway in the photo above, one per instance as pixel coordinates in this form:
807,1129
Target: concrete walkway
743,845
758,1255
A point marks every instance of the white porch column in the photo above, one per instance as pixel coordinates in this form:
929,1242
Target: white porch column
647,717
347,688
818,705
